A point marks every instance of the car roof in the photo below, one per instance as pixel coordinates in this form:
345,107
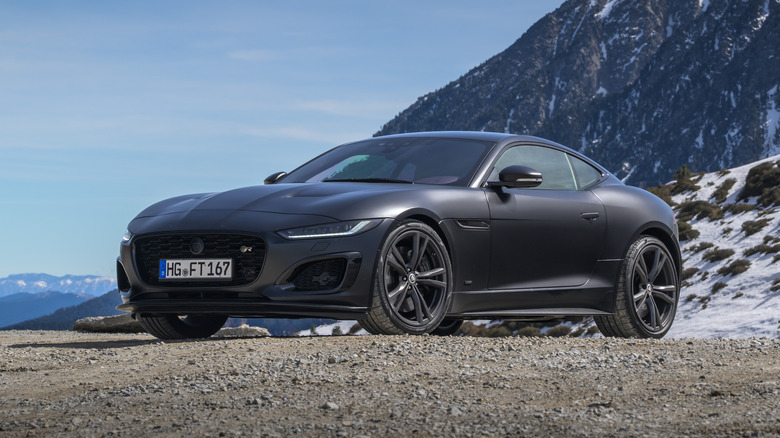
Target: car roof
466,135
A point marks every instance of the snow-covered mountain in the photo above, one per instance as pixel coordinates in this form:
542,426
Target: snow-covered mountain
641,86
70,284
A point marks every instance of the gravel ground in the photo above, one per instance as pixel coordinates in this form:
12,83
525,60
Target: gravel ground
78,384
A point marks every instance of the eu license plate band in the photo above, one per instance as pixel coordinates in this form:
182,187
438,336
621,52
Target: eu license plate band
196,269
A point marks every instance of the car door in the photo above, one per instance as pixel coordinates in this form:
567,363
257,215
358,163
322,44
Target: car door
548,236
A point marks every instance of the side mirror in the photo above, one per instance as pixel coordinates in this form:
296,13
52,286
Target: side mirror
517,177
275,177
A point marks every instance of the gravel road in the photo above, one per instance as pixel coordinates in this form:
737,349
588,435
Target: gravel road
78,384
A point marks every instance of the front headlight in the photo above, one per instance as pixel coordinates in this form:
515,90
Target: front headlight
337,229
126,238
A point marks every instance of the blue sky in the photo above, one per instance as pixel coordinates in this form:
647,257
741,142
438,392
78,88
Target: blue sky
108,107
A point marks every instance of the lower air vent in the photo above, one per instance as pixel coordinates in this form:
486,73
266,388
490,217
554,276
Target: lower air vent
319,275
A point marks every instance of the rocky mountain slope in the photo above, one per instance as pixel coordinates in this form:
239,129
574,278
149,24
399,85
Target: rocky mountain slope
640,86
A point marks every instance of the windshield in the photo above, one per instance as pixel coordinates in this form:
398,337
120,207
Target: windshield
418,160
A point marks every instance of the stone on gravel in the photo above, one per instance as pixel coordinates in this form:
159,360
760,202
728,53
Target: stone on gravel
242,331
109,324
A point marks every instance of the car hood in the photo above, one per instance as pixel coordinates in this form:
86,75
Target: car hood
337,200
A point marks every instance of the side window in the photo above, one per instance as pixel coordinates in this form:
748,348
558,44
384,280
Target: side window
556,172
584,173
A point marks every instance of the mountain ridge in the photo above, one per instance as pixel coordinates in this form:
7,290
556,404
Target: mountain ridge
640,86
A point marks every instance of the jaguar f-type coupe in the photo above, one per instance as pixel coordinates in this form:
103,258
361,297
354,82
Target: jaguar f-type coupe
410,234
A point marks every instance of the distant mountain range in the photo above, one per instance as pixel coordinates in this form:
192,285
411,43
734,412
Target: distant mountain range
641,86
69,284
20,307
64,318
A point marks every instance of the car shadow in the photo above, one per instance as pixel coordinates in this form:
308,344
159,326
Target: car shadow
87,344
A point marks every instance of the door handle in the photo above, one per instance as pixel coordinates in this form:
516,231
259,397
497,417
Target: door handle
590,216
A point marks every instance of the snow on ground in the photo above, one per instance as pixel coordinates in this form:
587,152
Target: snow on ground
327,329
746,306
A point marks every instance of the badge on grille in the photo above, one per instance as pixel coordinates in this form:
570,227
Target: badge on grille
197,245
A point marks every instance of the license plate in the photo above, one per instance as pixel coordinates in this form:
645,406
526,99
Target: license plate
196,269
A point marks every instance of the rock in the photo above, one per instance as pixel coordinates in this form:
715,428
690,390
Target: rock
330,405
242,331
109,324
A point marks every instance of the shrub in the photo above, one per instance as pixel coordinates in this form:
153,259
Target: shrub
770,197
771,239
701,247
761,179
689,272
698,210
726,231
736,267
738,208
664,192
690,298
775,285
762,248
529,331
723,172
718,286
686,231
704,275
558,331
683,181
717,254
592,331
336,331
776,258
737,295
753,227
354,329
722,192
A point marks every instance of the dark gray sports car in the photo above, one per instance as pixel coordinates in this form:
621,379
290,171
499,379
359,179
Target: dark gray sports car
410,233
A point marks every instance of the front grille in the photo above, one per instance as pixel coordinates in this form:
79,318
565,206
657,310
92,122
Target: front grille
149,250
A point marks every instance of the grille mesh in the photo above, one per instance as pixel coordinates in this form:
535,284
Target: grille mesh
149,250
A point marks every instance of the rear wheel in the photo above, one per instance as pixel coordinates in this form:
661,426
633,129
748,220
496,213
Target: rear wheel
182,326
412,282
646,295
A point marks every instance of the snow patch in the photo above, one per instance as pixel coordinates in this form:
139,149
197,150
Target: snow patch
703,5
509,120
603,51
327,329
700,140
601,91
772,143
604,13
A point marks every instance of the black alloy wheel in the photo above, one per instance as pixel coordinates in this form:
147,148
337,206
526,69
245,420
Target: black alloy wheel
647,293
412,282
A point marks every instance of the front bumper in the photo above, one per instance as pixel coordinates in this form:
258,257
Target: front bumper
272,294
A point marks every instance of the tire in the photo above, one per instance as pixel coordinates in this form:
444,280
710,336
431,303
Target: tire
182,327
448,327
412,282
646,295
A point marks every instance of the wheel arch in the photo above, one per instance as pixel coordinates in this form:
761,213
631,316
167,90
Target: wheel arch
668,239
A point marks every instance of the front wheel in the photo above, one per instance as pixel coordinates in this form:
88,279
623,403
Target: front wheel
646,295
412,282
182,327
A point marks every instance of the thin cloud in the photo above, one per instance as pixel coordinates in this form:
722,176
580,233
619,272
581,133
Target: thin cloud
253,55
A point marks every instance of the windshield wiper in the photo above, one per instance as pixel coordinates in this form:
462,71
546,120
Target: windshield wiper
370,180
